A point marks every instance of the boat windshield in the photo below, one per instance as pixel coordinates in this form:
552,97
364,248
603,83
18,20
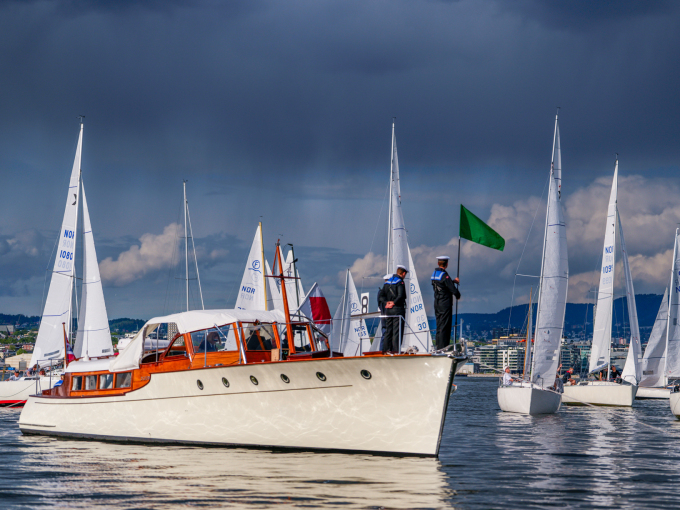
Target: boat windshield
301,339
214,339
258,336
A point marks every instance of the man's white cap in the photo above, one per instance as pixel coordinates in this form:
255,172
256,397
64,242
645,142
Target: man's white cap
387,277
443,257
402,267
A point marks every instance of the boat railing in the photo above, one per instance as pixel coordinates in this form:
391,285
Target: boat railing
403,327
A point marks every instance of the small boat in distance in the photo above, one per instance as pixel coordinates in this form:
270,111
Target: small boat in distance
654,383
536,395
604,392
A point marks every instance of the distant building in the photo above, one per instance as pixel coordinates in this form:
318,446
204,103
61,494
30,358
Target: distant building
7,329
28,347
19,362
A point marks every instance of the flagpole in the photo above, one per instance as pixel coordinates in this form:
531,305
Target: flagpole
455,328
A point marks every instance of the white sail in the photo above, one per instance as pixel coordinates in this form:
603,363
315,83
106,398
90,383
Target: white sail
274,297
294,289
417,333
632,369
654,358
552,297
416,329
602,331
557,161
348,334
49,344
252,293
93,338
672,370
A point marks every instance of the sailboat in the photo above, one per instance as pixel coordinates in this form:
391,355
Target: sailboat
416,327
93,338
349,335
653,383
536,395
610,393
672,368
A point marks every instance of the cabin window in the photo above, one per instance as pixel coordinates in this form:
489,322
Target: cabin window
77,383
320,341
178,348
258,336
124,380
157,337
214,340
106,381
300,337
90,382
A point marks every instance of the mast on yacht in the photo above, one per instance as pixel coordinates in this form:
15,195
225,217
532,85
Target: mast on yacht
188,231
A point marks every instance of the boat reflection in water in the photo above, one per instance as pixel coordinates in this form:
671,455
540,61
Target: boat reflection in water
107,474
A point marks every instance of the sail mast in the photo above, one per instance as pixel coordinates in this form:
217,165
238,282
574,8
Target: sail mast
672,311
264,272
186,243
527,351
193,246
545,232
389,209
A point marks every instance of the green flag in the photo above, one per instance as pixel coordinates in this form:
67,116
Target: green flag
475,230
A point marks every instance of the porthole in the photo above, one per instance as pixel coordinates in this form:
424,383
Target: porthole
365,374
253,380
321,376
199,384
285,378
225,382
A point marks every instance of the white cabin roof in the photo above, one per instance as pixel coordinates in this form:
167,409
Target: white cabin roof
195,320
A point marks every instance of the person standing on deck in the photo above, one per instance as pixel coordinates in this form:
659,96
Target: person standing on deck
444,290
394,294
381,307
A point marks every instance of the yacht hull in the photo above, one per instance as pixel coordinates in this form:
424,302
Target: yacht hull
675,404
528,400
16,393
600,393
397,407
660,392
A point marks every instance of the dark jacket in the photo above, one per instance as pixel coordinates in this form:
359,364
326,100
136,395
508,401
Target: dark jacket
381,300
395,290
444,288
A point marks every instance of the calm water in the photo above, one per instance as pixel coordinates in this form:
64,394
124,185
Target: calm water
579,458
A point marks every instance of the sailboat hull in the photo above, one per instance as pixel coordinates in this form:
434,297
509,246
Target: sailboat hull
391,405
660,392
675,404
528,400
16,393
600,393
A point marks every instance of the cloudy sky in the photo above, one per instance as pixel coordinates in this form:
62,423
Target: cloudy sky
281,112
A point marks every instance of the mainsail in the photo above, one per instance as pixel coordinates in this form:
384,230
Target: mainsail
93,338
602,330
348,334
672,370
416,329
49,344
632,369
655,353
552,298
252,293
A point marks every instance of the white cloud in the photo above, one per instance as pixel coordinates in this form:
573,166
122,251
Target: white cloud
649,213
154,253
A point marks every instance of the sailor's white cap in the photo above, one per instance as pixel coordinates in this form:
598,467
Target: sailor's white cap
402,267
443,257
387,276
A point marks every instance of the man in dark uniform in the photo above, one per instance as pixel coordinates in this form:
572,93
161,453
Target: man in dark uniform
381,307
444,290
394,295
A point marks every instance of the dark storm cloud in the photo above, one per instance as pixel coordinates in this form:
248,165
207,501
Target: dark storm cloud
283,110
